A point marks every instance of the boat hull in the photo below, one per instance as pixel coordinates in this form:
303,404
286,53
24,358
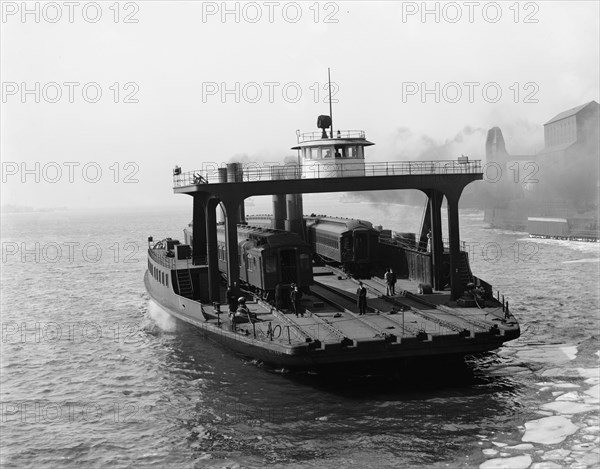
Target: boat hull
366,356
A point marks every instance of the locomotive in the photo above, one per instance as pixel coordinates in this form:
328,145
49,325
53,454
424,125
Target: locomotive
267,257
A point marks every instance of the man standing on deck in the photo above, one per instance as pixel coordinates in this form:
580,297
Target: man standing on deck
295,296
361,294
232,301
392,282
389,287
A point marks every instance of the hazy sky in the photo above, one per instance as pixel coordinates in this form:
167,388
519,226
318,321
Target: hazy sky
201,82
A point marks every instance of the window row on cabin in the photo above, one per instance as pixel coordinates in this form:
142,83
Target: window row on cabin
158,274
317,153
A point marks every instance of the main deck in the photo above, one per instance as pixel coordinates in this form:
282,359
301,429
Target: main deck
331,332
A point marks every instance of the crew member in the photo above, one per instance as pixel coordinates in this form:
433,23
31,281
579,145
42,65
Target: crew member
295,297
232,301
361,294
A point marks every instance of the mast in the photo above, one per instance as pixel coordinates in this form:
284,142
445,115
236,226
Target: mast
330,106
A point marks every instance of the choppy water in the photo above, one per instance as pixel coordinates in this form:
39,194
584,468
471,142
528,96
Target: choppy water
94,375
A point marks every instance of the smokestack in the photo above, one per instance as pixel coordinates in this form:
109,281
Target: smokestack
235,174
295,219
495,148
279,203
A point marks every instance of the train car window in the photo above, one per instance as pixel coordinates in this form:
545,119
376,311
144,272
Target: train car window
304,261
270,264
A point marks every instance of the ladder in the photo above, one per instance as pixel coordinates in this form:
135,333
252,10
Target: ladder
184,281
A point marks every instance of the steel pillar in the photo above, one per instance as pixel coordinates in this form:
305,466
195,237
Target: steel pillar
199,231
454,236
437,244
232,217
212,253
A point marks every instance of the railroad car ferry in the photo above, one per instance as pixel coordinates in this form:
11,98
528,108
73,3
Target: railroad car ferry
256,289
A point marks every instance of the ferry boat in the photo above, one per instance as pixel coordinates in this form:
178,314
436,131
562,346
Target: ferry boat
284,291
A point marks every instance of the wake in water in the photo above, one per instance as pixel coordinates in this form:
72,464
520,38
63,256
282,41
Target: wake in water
161,318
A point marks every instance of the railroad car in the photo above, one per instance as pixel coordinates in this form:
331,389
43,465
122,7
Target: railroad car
268,257
354,244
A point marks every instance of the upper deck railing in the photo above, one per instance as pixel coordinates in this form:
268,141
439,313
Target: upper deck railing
312,136
160,256
255,172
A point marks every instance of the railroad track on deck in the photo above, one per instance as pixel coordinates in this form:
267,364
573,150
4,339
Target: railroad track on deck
445,309
409,330
416,311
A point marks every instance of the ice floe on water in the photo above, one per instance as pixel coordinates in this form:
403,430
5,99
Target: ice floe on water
567,407
516,462
569,396
555,354
557,454
546,465
566,431
594,392
559,385
521,447
571,372
549,430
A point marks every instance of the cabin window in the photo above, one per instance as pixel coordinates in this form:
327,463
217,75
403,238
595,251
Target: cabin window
328,152
166,280
315,153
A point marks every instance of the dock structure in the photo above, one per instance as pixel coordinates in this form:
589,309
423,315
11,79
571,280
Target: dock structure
230,186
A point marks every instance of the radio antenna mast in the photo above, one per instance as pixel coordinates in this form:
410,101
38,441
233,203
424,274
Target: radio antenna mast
330,108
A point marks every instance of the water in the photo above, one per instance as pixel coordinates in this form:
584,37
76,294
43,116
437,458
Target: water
96,375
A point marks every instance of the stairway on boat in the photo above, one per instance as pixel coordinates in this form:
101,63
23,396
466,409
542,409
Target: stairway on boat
184,283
